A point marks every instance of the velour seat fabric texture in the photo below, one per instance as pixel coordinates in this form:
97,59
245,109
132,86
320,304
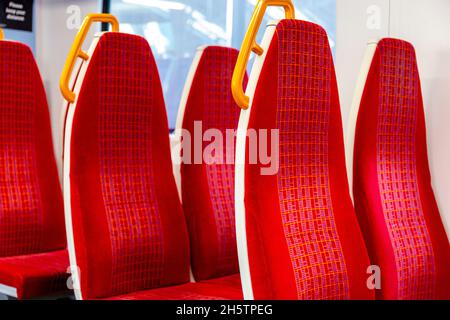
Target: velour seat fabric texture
189,291
208,187
226,288
392,185
130,234
233,281
303,238
32,234
40,275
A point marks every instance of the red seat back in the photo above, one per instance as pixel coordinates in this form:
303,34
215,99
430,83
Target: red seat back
31,206
303,238
208,188
393,194
128,226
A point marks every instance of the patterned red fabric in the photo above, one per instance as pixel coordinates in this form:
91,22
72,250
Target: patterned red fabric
208,188
190,291
231,282
36,275
393,194
129,228
31,207
303,236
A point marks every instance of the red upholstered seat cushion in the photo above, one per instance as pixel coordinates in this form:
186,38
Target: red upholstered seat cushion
129,229
31,206
36,275
208,188
232,282
32,235
392,185
189,291
303,237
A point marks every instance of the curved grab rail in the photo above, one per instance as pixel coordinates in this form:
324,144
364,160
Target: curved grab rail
249,44
76,50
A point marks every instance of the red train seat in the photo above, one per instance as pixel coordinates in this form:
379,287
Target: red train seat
207,187
298,236
127,235
33,259
392,188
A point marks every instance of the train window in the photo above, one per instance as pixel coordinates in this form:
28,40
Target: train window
174,29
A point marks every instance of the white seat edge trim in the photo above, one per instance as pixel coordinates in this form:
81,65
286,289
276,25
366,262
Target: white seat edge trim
354,110
66,174
239,189
8,291
59,143
176,155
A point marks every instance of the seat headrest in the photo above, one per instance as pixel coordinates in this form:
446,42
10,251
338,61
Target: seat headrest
31,214
303,239
121,177
208,189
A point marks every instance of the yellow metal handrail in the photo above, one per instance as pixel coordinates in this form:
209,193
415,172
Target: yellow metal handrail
2,34
249,44
77,52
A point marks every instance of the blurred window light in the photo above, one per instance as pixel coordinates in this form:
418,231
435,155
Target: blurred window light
162,5
155,38
174,30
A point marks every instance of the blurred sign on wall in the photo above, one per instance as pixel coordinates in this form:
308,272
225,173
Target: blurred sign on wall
16,14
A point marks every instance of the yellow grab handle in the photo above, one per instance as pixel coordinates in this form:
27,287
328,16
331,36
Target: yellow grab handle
2,35
76,50
249,44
